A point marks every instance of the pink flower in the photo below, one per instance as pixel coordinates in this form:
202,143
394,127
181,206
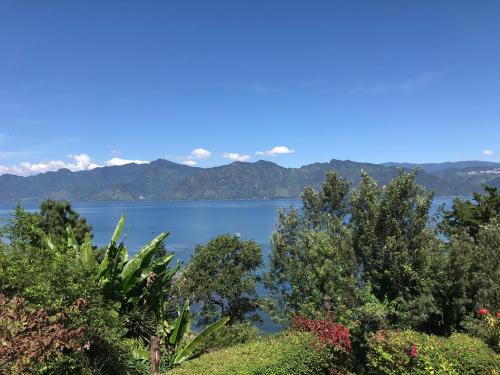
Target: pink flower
483,311
86,346
498,315
413,351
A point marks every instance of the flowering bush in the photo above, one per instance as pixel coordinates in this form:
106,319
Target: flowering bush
487,328
409,352
334,337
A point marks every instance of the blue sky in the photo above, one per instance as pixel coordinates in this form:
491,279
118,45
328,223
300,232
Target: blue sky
95,82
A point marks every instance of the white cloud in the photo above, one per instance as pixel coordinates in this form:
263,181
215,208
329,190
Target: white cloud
191,163
80,162
200,153
120,161
278,150
234,156
488,153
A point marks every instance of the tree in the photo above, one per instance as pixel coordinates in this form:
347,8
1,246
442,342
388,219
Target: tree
472,274
470,215
312,257
222,276
397,252
55,216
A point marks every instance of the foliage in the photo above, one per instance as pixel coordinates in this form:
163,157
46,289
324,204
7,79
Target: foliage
232,334
298,353
333,337
175,336
409,352
397,252
472,275
29,337
312,255
470,215
221,275
52,279
56,216
22,229
486,327
141,280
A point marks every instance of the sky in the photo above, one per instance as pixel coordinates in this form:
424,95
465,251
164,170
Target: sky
205,83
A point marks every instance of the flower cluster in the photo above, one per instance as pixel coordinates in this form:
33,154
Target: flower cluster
483,312
334,334
413,351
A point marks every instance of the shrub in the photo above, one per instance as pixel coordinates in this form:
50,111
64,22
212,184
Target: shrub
487,328
230,335
298,353
409,352
29,337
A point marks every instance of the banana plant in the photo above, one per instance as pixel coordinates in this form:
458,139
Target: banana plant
176,333
126,281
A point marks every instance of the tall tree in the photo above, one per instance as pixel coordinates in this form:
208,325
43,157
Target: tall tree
470,215
312,256
57,215
222,276
396,250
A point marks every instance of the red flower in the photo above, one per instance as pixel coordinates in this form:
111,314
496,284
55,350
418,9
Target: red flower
498,315
483,311
413,351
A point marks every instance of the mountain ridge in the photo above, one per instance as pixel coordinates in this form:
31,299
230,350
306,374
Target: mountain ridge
165,180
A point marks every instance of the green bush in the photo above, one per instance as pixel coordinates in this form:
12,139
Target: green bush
282,354
409,352
232,334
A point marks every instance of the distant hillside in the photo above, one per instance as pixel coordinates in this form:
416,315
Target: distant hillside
165,180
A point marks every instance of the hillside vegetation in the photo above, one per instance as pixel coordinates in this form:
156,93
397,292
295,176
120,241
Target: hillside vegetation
164,180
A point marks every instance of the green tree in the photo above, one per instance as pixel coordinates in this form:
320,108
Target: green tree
470,215
222,276
55,216
398,253
312,257
472,274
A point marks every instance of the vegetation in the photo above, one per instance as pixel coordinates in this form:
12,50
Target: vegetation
409,352
164,180
283,354
221,276
359,279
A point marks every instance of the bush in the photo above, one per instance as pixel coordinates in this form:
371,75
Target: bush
297,353
409,352
230,335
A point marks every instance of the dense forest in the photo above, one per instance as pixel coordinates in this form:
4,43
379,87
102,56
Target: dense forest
362,279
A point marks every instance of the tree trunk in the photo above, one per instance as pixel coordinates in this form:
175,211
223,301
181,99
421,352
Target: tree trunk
155,355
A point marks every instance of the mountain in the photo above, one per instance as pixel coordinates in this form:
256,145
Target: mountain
165,180
440,167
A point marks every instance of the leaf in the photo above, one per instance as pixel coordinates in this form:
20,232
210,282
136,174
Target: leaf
158,267
180,326
104,267
193,345
86,253
71,239
118,229
133,269
47,242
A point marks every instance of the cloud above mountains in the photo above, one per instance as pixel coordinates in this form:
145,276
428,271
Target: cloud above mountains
275,151
234,156
79,162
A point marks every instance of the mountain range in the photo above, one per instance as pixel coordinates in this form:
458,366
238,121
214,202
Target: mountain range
165,180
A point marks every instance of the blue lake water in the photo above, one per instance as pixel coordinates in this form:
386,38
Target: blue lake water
188,222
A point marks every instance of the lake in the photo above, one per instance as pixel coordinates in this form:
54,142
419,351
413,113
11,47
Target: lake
188,222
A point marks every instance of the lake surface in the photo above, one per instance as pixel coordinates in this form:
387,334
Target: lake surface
188,222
